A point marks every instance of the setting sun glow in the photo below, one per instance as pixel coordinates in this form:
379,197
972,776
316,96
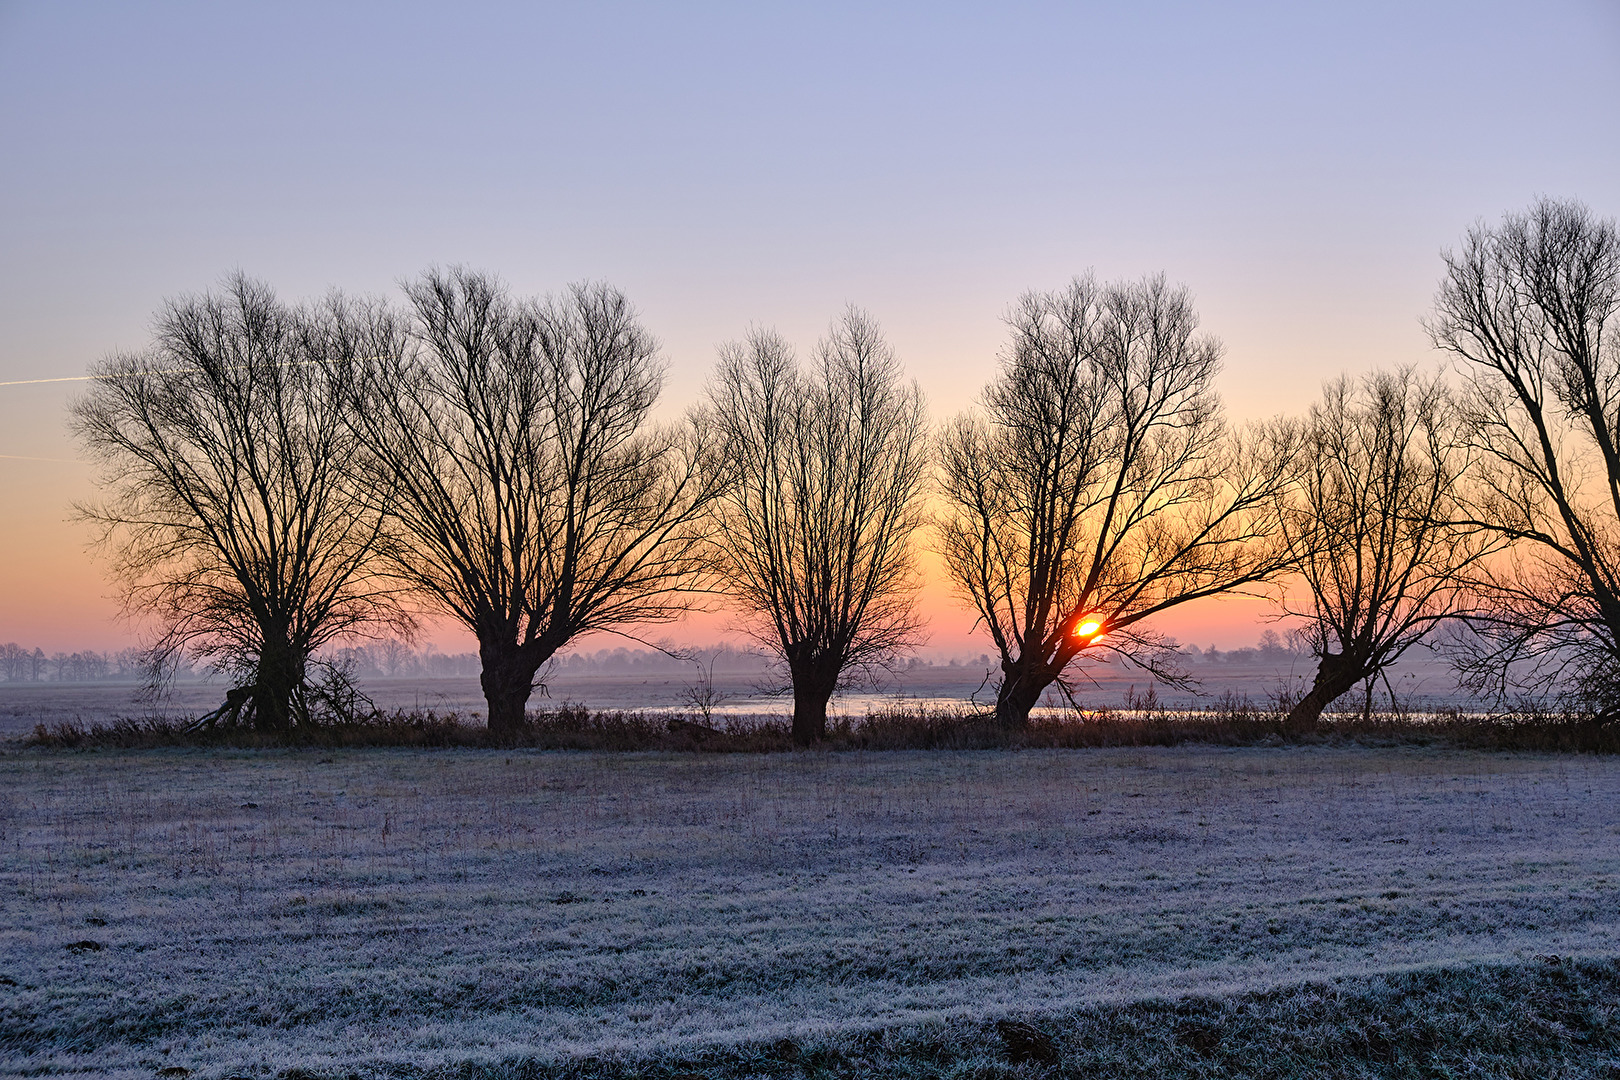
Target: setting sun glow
1089,629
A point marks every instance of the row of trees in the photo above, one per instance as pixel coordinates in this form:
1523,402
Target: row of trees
1272,648
18,663
391,658
280,479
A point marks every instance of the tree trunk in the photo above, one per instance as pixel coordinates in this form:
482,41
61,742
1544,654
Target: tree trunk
279,674
813,687
1021,687
508,680
1335,675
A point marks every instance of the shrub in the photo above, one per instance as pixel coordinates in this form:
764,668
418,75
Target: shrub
1233,721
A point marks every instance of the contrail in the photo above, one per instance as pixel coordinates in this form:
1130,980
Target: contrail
142,371
70,378
165,371
58,460
116,375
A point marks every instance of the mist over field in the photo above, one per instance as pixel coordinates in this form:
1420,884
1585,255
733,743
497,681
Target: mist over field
655,684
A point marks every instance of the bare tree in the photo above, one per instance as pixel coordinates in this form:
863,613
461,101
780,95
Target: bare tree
230,512
392,655
508,445
1528,308
1098,485
1372,521
815,527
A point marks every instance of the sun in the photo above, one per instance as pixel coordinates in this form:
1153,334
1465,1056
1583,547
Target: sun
1091,628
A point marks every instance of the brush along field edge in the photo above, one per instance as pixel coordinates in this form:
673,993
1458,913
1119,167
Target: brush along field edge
249,912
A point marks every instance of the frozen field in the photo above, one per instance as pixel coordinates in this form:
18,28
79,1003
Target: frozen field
237,914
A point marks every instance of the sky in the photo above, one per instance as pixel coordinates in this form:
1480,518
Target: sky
1300,167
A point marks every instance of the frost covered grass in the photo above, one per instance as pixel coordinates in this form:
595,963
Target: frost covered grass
239,913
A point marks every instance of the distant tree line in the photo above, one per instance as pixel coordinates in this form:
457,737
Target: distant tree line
721,659
282,481
393,658
18,663
1272,648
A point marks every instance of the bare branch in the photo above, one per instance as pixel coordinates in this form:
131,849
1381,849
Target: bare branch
815,526
1528,309
230,512
1098,484
1375,520
507,446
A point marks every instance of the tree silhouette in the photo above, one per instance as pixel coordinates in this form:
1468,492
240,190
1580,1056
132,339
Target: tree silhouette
507,446
1373,520
230,511
824,466
1097,485
1528,308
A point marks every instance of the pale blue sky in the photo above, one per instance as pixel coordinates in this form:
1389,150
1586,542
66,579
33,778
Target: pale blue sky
1298,165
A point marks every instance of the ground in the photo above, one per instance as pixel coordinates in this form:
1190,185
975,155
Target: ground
380,911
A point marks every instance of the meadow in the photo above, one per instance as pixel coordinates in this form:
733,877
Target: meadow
1192,910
